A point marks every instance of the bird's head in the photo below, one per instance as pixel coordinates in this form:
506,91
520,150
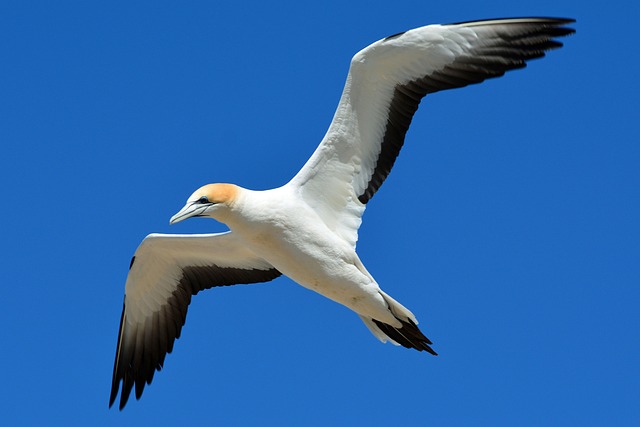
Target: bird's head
212,201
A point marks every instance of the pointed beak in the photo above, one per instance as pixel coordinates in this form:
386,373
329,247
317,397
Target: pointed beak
189,210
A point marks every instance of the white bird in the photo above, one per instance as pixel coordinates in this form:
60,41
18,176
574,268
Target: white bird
307,229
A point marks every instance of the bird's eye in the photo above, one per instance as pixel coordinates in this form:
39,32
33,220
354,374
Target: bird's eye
203,199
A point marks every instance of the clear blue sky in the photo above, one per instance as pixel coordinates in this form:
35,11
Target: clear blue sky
509,225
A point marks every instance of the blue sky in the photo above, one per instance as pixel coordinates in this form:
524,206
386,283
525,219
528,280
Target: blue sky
509,225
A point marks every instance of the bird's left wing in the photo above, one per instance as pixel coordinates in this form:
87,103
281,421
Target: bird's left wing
385,84
165,272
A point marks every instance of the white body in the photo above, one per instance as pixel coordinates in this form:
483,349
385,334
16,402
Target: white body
281,228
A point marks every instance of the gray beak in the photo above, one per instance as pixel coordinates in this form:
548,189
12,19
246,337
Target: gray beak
189,210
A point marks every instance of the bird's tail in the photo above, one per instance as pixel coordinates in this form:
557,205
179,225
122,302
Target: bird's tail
407,335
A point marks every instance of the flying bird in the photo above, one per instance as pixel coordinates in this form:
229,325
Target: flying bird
307,229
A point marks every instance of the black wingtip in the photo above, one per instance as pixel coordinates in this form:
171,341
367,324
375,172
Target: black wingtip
122,404
112,398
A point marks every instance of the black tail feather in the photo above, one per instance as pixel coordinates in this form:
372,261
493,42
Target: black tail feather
408,335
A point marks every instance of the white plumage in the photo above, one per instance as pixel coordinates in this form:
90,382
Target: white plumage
307,229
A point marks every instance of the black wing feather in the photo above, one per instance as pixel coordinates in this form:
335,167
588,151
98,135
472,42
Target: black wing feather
138,356
509,51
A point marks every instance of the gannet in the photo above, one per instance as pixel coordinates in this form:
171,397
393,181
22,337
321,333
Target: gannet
307,229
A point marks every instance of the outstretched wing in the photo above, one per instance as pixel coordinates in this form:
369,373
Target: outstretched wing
385,84
165,272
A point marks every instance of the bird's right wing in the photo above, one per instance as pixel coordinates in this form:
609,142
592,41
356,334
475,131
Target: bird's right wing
165,272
